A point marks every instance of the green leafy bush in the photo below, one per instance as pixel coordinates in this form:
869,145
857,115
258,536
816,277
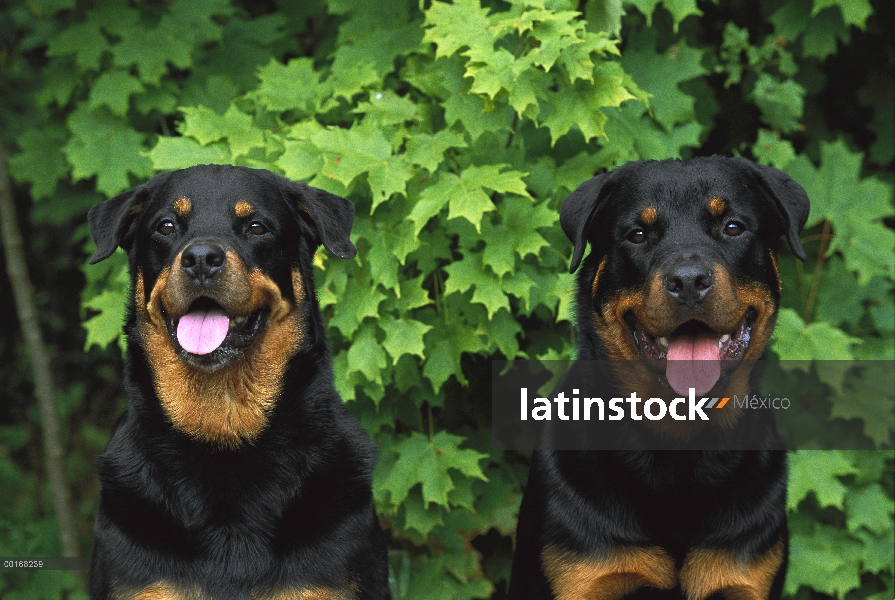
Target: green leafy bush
457,129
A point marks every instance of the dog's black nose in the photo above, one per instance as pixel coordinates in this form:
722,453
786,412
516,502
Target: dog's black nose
689,283
203,260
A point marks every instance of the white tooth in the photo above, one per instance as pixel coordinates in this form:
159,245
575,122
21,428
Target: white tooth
239,320
663,342
724,338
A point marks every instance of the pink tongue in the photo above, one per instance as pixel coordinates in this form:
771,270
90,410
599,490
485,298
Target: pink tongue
693,362
202,331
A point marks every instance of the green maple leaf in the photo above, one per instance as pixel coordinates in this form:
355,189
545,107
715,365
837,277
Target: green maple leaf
427,150
504,332
499,251
179,153
350,152
387,108
365,354
781,102
105,327
822,560
106,146
432,200
769,149
413,295
632,135
150,51
383,263
421,517
85,41
499,72
40,161
474,115
235,126
854,12
580,107
794,340
824,33
427,462
869,507
107,292
818,471
464,199
358,302
661,76
387,178
870,397
470,273
447,343
293,86
791,19
679,9
114,89
404,336
861,236
522,217
878,552
301,160
457,25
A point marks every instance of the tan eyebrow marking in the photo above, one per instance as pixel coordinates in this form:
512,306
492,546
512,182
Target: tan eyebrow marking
716,206
136,208
182,206
243,208
648,215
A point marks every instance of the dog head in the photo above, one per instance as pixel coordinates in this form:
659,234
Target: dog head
222,296
682,277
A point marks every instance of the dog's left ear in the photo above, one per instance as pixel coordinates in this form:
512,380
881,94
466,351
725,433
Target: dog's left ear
330,216
791,200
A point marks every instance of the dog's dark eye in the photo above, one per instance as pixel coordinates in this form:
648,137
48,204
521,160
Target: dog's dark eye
638,236
257,228
734,228
166,227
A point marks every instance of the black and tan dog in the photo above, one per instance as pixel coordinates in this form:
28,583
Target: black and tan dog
235,471
680,291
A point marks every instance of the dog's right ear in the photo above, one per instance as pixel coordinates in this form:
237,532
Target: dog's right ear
111,220
578,210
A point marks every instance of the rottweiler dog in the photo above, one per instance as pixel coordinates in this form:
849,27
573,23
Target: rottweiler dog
235,471
680,290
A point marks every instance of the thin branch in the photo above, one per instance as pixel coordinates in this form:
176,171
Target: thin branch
812,295
17,270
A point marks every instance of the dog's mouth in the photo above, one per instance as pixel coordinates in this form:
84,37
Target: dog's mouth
208,337
694,355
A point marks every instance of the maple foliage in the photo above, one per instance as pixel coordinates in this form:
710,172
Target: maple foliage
457,129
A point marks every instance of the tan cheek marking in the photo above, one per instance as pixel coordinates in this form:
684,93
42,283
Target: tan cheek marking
593,285
776,269
182,206
229,407
716,207
706,572
243,209
649,215
577,577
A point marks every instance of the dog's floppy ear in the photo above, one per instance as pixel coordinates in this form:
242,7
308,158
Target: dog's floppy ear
791,200
330,216
111,219
577,213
